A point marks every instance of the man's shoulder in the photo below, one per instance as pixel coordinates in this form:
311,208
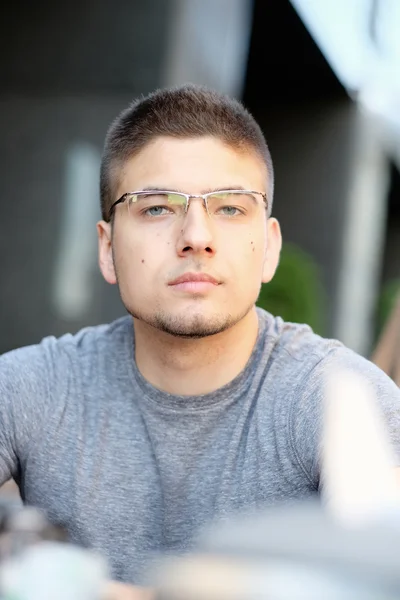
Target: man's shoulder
296,344
301,364
55,353
39,380
95,338
303,358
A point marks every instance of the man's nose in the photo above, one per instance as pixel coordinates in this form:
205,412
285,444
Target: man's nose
197,230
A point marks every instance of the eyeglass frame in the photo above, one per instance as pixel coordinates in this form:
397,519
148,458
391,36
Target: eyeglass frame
187,196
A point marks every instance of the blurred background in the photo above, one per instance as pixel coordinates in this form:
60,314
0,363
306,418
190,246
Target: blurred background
322,77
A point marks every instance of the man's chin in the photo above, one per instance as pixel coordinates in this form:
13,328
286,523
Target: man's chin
190,323
194,326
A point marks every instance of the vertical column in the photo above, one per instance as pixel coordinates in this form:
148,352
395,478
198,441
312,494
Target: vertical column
362,236
208,43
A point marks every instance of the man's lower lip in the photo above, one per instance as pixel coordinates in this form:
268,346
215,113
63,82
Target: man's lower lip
194,286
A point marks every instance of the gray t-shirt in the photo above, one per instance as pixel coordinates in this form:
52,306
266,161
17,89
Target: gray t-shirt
135,472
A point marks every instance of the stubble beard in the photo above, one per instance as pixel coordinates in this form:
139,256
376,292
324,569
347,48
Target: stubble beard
195,326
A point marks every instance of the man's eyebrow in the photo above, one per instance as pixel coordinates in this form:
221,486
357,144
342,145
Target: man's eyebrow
225,188
157,188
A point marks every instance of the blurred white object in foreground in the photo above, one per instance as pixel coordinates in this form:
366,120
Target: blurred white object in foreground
359,480
53,571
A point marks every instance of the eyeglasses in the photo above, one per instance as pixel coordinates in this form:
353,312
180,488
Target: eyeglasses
226,204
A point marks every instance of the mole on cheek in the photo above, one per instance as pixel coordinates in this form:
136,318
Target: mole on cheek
142,260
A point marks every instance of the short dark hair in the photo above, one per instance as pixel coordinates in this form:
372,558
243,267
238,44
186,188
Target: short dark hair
187,111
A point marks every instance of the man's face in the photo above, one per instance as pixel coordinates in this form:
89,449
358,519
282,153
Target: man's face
147,253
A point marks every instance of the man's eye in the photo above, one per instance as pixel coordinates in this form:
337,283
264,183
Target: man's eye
229,211
157,211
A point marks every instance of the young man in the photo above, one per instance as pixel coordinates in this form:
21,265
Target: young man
196,405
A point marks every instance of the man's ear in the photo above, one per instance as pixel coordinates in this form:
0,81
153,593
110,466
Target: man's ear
273,251
106,261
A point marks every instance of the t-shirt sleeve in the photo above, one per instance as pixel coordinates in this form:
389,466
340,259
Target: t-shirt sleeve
24,393
306,421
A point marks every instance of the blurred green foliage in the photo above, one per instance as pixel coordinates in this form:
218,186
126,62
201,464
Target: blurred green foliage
296,293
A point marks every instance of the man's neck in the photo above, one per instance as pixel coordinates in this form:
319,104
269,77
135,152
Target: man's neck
191,367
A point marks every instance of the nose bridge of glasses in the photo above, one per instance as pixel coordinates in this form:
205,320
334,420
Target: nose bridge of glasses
202,197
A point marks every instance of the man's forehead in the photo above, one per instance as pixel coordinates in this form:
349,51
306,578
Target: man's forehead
207,143
182,163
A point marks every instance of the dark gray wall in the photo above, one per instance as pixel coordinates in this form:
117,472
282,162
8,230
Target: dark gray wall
313,152
37,134
83,46
66,70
